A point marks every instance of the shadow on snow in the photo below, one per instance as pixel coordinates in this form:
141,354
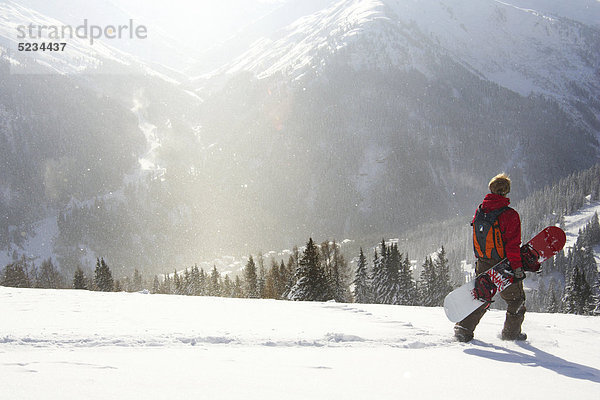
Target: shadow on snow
539,358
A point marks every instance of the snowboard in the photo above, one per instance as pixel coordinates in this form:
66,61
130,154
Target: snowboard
462,301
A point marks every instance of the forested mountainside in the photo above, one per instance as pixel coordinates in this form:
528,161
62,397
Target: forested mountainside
385,274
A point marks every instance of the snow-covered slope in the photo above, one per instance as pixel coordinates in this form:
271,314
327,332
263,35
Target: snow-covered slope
574,223
525,49
308,43
514,43
71,344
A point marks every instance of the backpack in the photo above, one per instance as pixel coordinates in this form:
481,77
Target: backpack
487,238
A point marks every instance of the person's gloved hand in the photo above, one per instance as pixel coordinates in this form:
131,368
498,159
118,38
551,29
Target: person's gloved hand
516,274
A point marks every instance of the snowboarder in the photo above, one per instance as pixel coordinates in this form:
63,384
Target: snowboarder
503,239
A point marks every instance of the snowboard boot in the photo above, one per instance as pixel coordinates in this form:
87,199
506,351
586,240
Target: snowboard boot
462,334
519,337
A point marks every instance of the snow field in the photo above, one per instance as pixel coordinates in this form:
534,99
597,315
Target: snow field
78,344
577,221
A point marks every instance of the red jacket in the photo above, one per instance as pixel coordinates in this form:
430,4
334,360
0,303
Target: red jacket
510,227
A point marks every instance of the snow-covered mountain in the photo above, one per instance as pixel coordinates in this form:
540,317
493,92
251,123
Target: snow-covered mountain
529,47
419,94
133,345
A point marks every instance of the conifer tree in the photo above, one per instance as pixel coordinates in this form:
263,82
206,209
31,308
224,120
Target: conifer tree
271,281
442,284
166,286
238,289
427,281
251,280
155,285
186,283
79,279
336,270
48,276
585,255
103,280
203,281
326,263
227,287
177,284
577,293
379,279
391,285
16,274
311,282
407,286
126,284
262,275
290,274
136,281
284,277
561,263
593,231
215,283
595,298
552,304
362,285
196,285
387,282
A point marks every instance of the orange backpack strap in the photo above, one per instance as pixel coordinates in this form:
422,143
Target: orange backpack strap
498,242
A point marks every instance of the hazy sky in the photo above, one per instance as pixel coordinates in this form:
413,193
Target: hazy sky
201,21
178,30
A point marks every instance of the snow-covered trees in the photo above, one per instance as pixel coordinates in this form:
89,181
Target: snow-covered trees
434,283
595,301
337,275
386,274
24,273
578,295
569,282
392,282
